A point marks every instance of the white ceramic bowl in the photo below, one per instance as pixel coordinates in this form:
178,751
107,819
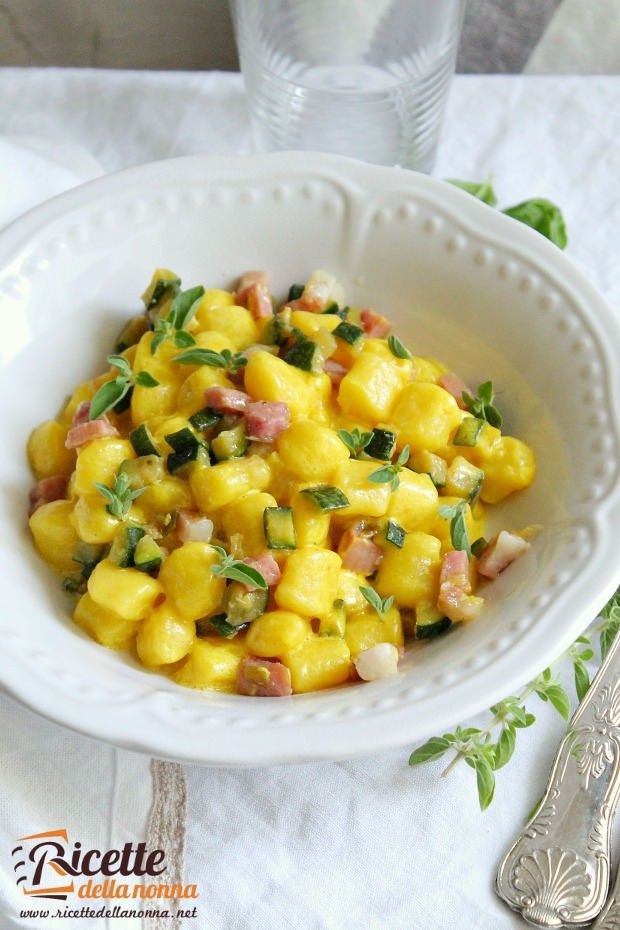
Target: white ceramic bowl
486,294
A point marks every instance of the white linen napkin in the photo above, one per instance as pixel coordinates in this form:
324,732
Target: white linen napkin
51,778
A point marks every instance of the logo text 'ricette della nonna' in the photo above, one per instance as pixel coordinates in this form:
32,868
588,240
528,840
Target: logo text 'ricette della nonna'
48,865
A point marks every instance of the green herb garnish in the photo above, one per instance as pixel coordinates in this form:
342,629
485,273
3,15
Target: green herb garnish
381,605
397,348
182,310
236,570
543,216
355,441
224,359
482,190
486,752
120,496
389,473
482,406
455,513
112,392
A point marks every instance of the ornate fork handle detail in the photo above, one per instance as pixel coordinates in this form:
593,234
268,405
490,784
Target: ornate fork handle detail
557,871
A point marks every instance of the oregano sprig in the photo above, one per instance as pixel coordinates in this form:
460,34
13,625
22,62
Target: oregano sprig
390,473
237,570
455,513
182,311
120,496
112,392
482,406
355,441
490,748
224,359
381,605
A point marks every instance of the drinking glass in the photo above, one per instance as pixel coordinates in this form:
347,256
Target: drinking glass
367,78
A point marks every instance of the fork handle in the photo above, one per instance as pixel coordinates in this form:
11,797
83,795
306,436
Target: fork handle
557,872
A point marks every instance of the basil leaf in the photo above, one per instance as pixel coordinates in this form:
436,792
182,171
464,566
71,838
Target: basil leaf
482,190
434,748
184,306
201,357
107,396
543,216
144,379
397,348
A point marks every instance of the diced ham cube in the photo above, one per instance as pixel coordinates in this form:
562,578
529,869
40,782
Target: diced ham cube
228,400
263,678
192,527
259,303
453,385
320,291
45,491
82,413
457,605
249,279
92,429
252,292
358,553
335,371
265,420
455,570
267,566
374,325
500,553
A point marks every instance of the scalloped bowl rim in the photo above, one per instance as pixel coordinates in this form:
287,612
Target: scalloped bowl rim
135,724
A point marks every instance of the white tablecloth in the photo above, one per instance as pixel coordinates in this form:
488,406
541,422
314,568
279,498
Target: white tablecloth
369,843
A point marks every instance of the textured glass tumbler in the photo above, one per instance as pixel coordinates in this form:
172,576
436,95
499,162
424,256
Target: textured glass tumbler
366,78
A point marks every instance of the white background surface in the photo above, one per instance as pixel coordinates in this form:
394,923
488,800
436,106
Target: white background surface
327,847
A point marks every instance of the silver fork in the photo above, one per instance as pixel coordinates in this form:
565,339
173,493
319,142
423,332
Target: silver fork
557,872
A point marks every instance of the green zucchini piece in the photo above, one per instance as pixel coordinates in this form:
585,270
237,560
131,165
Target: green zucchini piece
142,441
146,469
382,444
395,534
327,497
230,443
147,556
183,440
88,555
295,292
131,333
478,546
335,622
349,332
242,606
303,354
427,463
464,479
218,624
73,585
179,462
429,622
279,528
124,544
334,309
468,432
204,419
